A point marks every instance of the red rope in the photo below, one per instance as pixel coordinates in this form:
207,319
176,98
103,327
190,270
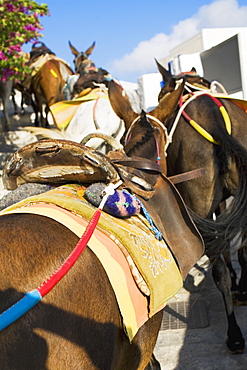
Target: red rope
73,257
210,96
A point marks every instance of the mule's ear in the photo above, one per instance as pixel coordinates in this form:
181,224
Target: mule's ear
73,49
169,87
193,70
164,72
120,103
90,50
169,102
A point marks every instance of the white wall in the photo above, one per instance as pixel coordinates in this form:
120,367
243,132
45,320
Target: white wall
148,90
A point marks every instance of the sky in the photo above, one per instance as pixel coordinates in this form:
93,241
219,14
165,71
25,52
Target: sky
130,34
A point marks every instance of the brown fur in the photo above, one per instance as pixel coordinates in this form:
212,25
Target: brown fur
47,88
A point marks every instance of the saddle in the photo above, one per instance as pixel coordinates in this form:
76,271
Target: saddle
62,161
39,49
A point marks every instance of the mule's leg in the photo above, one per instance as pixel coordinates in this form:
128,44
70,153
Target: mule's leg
139,353
153,364
227,256
47,110
22,103
235,341
234,285
242,296
36,112
14,102
43,109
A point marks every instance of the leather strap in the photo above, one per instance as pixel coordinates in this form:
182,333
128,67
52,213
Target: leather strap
139,163
176,179
146,164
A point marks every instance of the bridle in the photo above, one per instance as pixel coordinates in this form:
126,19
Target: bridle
163,127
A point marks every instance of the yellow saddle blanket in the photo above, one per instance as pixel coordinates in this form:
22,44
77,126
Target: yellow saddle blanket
64,111
153,259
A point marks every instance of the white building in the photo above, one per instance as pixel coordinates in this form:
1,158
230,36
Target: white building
217,54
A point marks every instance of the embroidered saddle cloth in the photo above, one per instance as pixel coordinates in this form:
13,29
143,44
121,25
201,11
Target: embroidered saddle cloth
151,257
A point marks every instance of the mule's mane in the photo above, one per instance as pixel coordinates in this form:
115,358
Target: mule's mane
141,144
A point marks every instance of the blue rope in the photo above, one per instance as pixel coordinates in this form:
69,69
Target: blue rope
18,309
157,233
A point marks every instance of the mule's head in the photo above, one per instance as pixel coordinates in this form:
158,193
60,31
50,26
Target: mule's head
82,60
145,134
191,78
89,79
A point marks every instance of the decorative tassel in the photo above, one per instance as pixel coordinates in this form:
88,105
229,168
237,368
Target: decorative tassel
120,204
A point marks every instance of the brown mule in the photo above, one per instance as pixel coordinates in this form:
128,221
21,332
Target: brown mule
225,168
47,82
89,75
78,324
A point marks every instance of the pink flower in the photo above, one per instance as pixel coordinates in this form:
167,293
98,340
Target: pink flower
29,27
2,56
13,48
6,72
10,7
22,9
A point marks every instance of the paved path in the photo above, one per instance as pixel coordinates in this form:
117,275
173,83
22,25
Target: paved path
202,348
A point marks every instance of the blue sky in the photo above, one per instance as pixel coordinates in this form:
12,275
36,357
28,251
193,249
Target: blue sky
129,34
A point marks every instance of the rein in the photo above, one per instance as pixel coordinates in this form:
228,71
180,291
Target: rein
31,298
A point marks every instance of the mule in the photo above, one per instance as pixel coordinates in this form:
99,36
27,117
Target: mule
47,81
224,164
78,325
89,75
89,110
81,60
75,121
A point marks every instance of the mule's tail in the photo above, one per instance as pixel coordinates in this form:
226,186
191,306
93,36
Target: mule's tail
232,222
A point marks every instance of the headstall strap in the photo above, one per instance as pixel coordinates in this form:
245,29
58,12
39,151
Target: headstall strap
159,123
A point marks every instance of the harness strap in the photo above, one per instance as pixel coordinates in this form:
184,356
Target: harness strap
176,179
152,166
51,70
142,164
200,91
200,129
